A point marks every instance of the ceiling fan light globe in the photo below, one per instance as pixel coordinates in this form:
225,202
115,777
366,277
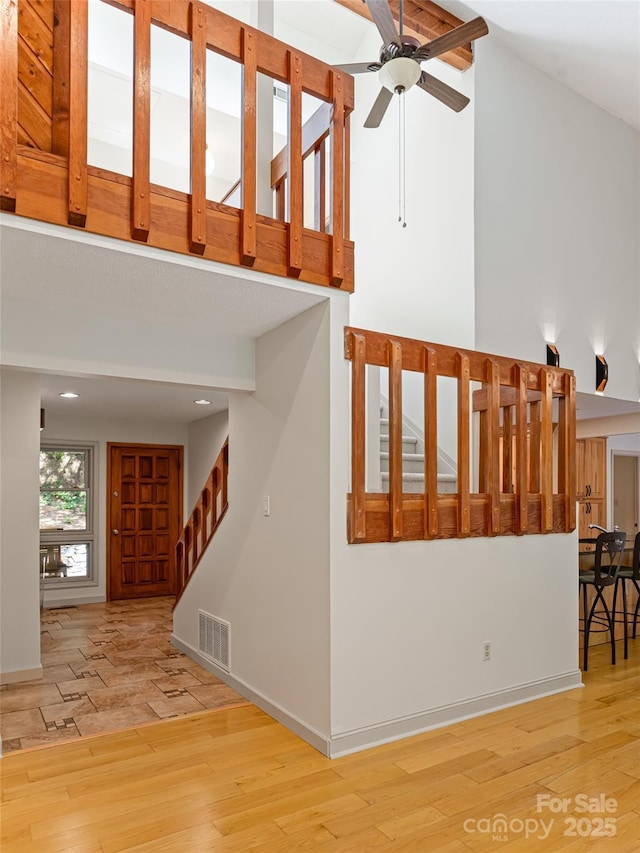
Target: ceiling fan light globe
400,74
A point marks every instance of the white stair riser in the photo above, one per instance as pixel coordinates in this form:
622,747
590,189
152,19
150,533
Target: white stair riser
409,444
412,463
415,485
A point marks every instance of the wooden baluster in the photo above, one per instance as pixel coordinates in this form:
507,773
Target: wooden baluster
78,84
8,104
294,168
566,452
320,187
483,448
225,474
571,484
60,108
337,174
493,444
464,510
215,475
507,450
187,549
198,225
180,565
395,441
534,447
141,203
195,521
358,439
546,472
430,443
248,237
206,508
522,480
281,200
347,179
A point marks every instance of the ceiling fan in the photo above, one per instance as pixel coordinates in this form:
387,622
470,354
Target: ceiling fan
401,56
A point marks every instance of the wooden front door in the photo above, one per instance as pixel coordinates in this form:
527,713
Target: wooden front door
145,519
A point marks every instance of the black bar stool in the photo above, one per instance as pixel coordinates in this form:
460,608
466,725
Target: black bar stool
608,553
629,573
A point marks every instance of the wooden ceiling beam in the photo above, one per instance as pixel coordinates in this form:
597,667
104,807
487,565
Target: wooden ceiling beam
425,21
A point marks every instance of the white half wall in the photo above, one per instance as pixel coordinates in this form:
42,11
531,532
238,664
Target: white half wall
557,224
19,561
269,576
408,620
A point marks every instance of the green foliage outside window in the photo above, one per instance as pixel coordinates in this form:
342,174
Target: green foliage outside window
63,489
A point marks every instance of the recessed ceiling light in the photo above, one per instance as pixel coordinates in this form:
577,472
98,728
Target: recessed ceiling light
202,402
68,394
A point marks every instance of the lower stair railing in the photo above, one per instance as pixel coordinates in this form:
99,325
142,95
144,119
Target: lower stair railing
204,520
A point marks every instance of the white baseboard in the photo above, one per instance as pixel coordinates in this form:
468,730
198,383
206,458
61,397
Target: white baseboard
69,602
20,675
375,735
344,743
298,727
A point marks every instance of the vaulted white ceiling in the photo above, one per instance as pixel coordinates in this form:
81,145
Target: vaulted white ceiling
590,46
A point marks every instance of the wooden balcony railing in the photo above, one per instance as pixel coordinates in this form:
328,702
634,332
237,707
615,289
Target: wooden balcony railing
44,170
523,467
204,520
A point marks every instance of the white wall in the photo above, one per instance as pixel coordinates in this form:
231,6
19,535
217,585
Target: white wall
37,336
205,437
19,569
103,430
416,281
408,620
269,577
557,224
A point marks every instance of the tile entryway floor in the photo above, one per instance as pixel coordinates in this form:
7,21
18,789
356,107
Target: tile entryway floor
106,667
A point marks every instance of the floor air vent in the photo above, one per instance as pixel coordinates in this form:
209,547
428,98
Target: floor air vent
213,638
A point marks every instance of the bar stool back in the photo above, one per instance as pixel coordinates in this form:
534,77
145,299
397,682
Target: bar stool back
608,553
629,573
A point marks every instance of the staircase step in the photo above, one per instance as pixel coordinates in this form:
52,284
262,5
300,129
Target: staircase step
414,483
409,443
412,463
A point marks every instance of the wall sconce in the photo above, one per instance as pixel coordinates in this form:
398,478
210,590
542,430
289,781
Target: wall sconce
553,356
41,419
602,372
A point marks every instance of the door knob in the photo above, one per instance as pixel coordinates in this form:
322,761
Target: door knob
115,532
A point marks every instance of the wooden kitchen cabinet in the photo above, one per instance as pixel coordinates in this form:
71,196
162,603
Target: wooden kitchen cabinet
591,468
591,479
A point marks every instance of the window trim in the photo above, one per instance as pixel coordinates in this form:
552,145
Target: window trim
90,534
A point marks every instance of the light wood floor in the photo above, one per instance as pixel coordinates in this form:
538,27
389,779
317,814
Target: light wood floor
235,780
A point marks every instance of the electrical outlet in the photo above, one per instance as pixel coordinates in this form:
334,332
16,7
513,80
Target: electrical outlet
266,505
486,651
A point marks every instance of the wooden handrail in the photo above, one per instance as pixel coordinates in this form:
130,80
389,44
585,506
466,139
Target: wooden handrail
231,191
64,189
204,520
523,499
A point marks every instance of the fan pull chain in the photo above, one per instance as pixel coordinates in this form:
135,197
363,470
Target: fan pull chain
402,176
